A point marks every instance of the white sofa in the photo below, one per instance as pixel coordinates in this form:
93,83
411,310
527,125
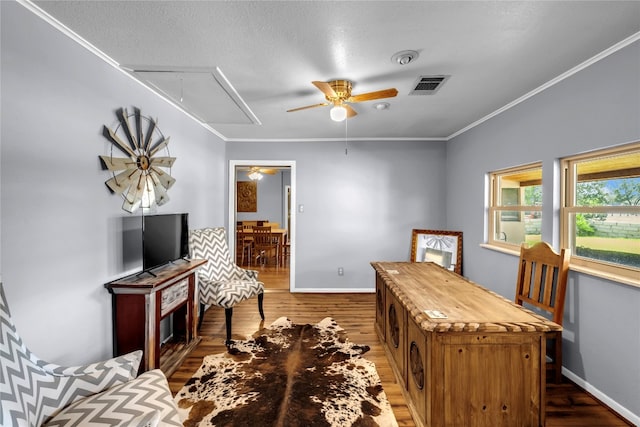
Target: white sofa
35,393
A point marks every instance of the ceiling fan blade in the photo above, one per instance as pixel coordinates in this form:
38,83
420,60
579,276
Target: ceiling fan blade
350,111
268,171
369,96
322,104
325,88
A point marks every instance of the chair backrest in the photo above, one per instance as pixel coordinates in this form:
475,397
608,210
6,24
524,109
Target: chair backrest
247,225
20,375
542,278
211,244
262,237
243,240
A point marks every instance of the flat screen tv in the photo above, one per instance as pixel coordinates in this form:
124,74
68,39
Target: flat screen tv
165,238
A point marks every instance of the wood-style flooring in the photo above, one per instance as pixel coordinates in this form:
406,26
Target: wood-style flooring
566,404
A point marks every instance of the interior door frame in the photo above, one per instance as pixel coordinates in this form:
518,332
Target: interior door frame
233,164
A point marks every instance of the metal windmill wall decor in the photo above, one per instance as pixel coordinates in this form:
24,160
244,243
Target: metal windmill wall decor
140,177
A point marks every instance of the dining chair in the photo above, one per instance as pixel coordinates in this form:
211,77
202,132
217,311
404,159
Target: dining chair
244,245
541,284
265,245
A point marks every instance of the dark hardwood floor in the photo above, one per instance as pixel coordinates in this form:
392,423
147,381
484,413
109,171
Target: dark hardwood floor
566,403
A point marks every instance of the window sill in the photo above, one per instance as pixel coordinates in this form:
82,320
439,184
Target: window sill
504,250
578,268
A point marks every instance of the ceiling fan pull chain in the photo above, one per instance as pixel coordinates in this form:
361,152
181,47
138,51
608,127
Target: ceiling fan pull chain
346,133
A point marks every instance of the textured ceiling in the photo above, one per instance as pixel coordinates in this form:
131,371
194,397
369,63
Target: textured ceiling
244,63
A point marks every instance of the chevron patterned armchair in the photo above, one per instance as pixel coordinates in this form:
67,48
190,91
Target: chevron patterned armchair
222,283
35,393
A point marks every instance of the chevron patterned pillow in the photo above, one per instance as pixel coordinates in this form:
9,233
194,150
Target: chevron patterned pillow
135,403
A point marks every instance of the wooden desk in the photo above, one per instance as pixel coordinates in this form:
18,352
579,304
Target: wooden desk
279,233
142,300
482,365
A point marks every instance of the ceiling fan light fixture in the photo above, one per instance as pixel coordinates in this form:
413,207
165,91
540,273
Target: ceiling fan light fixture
338,113
255,176
404,57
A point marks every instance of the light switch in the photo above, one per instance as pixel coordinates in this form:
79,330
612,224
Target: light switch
300,208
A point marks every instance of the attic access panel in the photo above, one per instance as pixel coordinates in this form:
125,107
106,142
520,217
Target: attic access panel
205,93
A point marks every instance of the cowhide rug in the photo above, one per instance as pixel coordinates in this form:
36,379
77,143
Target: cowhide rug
287,375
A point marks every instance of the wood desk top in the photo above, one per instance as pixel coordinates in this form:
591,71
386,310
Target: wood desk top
468,307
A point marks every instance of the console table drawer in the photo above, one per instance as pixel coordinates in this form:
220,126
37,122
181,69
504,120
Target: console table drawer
174,296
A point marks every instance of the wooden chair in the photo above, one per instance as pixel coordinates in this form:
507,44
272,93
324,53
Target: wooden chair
248,225
542,283
265,244
244,244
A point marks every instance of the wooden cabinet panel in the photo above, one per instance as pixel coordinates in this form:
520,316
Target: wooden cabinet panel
380,308
418,370
497,374
396,333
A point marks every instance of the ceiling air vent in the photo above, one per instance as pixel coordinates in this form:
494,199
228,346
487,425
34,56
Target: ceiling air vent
428,85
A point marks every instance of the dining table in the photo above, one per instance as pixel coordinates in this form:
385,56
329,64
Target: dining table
278,233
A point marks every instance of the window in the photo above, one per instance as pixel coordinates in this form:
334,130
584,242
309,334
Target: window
515,208
601,212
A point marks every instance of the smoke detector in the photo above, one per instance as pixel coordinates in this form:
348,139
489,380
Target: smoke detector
381,106
404,57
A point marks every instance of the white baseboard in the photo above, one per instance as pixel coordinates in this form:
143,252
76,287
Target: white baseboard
335,290
615,406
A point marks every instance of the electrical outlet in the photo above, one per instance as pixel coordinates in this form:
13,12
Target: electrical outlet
340,271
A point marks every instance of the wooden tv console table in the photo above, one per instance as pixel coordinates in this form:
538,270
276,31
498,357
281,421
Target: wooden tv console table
482,365
141,301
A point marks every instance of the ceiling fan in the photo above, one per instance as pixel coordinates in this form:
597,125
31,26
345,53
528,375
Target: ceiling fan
255,172
338,93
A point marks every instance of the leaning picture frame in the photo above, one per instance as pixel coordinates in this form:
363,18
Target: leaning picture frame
440,246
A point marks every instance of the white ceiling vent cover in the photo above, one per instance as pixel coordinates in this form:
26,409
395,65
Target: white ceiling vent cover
428,85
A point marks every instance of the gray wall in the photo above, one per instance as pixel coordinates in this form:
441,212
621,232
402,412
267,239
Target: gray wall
598,107
270,195
359,207
60,226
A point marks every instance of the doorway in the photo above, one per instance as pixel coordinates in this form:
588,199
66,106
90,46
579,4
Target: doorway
287,192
